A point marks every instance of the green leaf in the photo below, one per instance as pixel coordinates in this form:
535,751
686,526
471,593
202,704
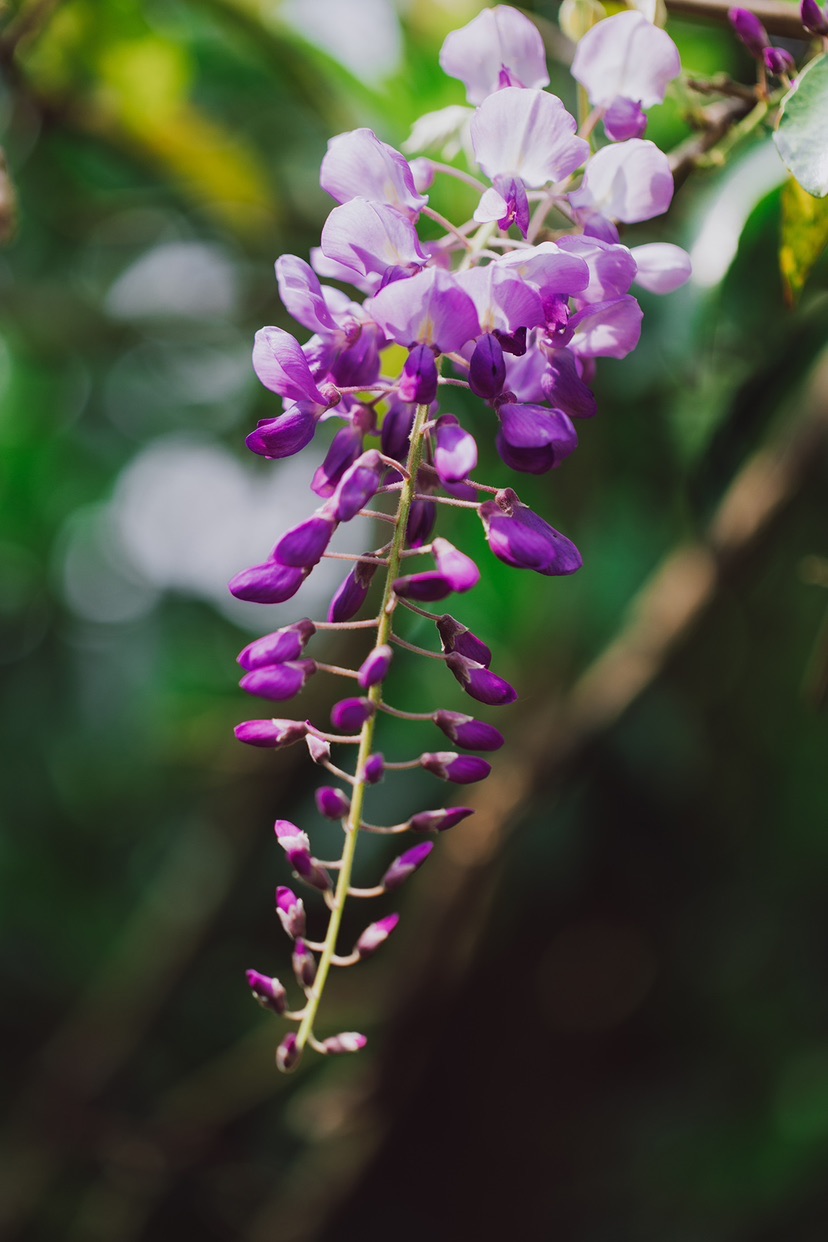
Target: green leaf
800,138
804,236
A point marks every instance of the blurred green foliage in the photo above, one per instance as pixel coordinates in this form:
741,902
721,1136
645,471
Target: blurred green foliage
636,1039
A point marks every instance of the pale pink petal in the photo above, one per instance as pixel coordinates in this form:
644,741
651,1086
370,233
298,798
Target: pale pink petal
662,267
358,165
626,55
528,134
499,43
628,181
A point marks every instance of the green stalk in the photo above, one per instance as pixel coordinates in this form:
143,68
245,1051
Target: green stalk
366,741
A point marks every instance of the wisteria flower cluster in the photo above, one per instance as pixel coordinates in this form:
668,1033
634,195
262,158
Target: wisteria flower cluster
515,304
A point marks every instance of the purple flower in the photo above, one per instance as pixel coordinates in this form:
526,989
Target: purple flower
455,452
291,911
357,486
428,309
520,538
455,572
304,545
359,165
749,29
270,583
534,439
278,682
288,1054
309,870
459,638
418,383
284,644
349,715
345,1041
371,238
282,367
487,373
610,267
499,47
461,769
814,18
564,388
527,134
332,802
467,732
289,836
304,964
404,866
350,597
375,667
268,992
345,448
627,56
606,329
375,935
271,733
439,821
374,769
479,682
286,435
507,202
778,61
624,119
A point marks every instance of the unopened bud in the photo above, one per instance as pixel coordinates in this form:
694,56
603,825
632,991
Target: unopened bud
439,821
467,732
308,869
271,733
404,866
304,964
288,1054
268,992
332,803
461,769
320,750
347,1041
374,769
291,912
350,715
375,935
375,667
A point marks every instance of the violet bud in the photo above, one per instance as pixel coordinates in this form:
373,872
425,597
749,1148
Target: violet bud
778,61
290,837
309,870
346,1041
284,644
428,587
291,912
479,682
439,821
813,17
303,546
319,749
396,431
332,802
374,769
278,681
286,435
350,597
461,769
460,569
268,992
487,370
467,732
288,1054
418,383
271,733
375,668
350,715
421,519
270,583
404,866
459,638
304,964
375,935
749,30
358,485
345,448
623,119
455,454
520,538
564,388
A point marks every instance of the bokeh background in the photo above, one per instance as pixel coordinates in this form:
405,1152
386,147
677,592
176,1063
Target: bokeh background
604,1017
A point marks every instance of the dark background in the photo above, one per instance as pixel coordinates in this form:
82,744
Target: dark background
604,1014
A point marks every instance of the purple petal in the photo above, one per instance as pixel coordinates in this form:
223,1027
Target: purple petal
376,934
502,298
528,134
268,992
283,368
318,749
487,374
611,267
750,30
520,538
309,870
358,485
350,597
430,309
345,447
778,61
461,769
564,388
284,644
349,715
624,119
626,55
358,165
396,431
375,668
427,587
629,181
304,545
284,436
813,17
291,911
455,454
661,266
288,1054
439,821
289,836
374,769
345,1041
304,964
271,733
459,569
418,382
607,329
332,802
459,638
278,681
302,296
499,38
549,267
467,732
270,583
421,520
479,682
371,238
404,866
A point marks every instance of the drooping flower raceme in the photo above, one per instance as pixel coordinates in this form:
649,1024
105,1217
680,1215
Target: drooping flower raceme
515,304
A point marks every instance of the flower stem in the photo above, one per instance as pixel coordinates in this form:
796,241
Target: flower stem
305,1035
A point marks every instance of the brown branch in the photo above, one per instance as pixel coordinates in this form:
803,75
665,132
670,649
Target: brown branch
777,17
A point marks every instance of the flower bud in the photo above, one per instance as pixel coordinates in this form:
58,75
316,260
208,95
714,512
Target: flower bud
286,435
288,1054
459,638
455,454
308,869
350,597
278,681
813,17
319,749
304,964
623,119
359,484
270,583
418,383
521,538
347,1041
291,912
461,769
268,992
749,30
375,935
439,821
487,370
271,733
374,769
290,837
428,587
460,569
479,682
421,520
778,61
332,802
396,431
467,732
350,715
375,668
304,544
345,448
279,647
404,866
